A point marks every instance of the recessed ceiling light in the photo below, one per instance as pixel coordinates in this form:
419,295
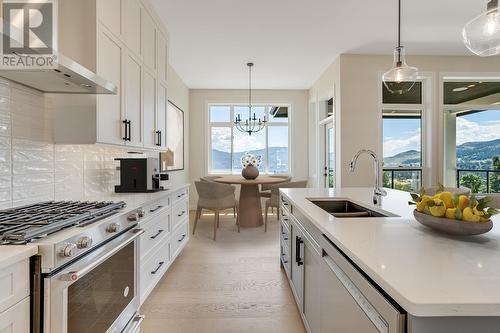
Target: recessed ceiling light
460,89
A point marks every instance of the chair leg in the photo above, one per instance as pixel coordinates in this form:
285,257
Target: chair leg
218,220
277,213
216,223
237,218
265,217
196,217
234,211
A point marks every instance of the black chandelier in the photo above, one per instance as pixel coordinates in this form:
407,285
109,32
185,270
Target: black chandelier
252,124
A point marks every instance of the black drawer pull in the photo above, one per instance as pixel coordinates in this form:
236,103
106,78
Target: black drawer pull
158,268
155,209
157,234
298,241
285,238
180,195
182,238
179,215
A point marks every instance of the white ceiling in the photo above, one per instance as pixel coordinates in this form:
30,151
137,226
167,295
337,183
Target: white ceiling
293,41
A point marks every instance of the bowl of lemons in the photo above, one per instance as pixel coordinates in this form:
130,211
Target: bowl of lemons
453,213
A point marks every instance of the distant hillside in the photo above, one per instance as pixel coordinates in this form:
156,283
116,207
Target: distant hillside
477,155
470,155
406,158
278,159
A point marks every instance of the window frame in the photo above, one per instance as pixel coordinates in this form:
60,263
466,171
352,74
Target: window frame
457,109
424,109
230,124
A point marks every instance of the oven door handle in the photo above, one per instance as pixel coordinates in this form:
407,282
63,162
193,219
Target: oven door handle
74,276
135,325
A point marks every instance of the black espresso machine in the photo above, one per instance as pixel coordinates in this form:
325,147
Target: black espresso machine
140,175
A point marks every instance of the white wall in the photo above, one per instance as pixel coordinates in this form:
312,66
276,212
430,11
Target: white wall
199,100
357,84
178,93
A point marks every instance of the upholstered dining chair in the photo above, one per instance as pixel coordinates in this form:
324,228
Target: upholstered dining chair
215,197
495,200
210,179
265,189
273,201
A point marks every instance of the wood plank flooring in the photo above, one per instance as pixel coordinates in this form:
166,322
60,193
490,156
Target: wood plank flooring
234,284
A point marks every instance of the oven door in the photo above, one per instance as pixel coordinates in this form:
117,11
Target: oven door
98,293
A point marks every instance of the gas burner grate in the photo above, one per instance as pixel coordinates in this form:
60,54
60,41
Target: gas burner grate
22,224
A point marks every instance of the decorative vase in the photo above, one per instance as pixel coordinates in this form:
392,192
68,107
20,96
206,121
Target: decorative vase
250,172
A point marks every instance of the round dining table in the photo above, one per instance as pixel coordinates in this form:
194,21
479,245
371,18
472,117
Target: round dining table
250,209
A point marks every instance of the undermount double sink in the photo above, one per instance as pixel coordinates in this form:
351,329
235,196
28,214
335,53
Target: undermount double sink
343,208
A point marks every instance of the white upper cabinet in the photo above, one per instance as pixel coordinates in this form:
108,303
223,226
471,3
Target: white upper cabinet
149,107
133,108
122,41
162,57
161,114
149,41
109,115
110,15
132,28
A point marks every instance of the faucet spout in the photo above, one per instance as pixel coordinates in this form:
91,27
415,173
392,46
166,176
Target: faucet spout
378,191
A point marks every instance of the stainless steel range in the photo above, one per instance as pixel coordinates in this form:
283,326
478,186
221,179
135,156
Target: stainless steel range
85,277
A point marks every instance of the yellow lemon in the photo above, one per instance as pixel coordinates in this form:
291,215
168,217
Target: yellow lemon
450,213
447,198
438,208
463,202
468,215
422,205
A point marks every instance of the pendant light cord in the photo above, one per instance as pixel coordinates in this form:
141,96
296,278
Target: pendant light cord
250,91
399,31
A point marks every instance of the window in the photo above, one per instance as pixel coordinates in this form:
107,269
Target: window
402,139
228,144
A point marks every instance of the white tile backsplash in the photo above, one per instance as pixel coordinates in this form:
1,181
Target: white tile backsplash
33,169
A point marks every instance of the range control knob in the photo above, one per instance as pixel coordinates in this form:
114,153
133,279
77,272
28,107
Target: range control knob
84,242
133,217
68,250
113,227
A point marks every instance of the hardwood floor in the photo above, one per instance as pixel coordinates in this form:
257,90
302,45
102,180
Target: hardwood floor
235,284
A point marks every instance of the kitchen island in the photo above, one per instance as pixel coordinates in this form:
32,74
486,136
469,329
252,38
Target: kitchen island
438,283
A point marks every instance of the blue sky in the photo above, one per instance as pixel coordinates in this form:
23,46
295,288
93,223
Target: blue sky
402,134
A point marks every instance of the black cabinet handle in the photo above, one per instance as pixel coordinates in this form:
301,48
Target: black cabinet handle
125,122
129,130
157,234
158,268
298,242
179,215
182,238
159,138
155,209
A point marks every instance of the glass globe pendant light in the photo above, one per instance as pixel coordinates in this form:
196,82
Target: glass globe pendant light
481,35
401,77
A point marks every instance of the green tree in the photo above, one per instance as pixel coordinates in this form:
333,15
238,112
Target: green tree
495,176
474,182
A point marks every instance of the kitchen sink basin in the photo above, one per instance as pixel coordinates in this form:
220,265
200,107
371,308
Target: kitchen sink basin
346,208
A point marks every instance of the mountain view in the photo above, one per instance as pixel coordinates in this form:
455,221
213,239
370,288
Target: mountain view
470,155
278,159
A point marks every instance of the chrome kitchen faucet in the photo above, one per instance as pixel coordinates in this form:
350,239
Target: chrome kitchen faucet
378,192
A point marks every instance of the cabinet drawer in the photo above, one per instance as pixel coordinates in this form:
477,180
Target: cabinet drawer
155,232
180,212
15,284
153,269
17,318
284,203
179,238
179,195
156,207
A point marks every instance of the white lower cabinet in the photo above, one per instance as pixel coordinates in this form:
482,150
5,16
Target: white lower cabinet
162,240
17,318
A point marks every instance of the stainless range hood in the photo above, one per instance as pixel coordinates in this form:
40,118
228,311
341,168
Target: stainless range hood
68,78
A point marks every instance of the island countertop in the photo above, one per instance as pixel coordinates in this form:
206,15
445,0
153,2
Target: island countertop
427,273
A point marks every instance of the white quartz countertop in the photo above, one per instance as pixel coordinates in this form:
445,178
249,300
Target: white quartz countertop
428,273
11,254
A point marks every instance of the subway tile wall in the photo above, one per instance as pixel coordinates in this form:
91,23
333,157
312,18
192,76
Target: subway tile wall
33,169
